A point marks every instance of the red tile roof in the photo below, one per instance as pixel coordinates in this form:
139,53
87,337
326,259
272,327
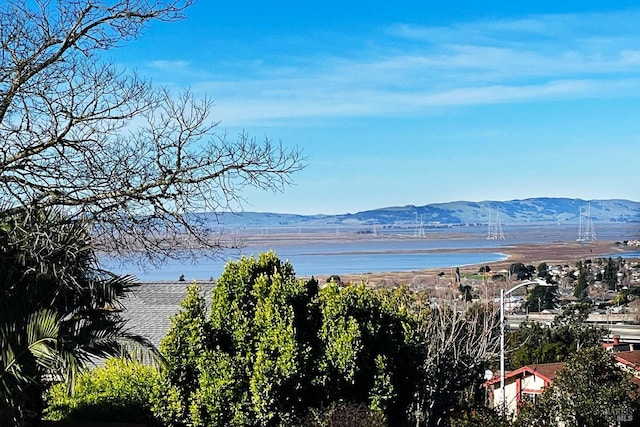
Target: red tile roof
629,358
547,371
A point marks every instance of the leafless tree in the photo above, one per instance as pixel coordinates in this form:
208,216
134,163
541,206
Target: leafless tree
103,145
460,343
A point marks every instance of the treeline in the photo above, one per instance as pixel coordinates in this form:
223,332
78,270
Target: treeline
276,350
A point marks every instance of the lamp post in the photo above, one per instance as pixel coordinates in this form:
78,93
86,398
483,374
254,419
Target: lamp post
503,293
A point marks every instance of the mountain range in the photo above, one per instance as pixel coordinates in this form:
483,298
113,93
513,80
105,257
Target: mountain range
526,211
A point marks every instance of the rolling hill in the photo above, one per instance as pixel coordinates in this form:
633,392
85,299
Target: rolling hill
526,211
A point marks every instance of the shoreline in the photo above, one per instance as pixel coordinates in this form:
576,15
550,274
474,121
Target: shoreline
562,253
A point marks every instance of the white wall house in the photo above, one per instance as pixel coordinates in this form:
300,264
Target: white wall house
521,385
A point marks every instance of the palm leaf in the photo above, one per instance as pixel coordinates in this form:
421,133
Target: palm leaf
41,338
42,334
38,343
59,310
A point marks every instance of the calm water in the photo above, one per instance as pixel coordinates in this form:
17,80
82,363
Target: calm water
382,253
316,264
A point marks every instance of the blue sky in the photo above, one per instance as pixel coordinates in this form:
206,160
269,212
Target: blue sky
411,103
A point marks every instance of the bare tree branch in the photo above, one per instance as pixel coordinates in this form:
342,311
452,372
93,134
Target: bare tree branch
460,342
104,145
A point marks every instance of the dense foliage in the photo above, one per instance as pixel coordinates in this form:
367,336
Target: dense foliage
57,310
534,342
542,298
275,350
120,391
520,271
274,347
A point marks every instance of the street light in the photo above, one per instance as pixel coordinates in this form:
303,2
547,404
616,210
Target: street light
537,282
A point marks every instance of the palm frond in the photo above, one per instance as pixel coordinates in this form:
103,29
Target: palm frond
59,310
42,335
41,338
27,348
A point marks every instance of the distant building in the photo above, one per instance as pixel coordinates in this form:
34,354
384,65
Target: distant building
630,361
617,346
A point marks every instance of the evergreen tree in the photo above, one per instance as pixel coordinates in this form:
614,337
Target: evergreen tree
275,347
610,275
372,352
182,348
534,343
252,361
542,298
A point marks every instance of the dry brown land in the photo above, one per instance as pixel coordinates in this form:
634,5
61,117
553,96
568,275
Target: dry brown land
551,253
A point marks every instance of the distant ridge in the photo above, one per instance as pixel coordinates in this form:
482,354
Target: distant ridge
525,211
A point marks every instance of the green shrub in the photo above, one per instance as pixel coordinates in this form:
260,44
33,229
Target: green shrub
344,414
119,391
480,416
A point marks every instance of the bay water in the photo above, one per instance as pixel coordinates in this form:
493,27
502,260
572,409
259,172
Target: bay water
360,254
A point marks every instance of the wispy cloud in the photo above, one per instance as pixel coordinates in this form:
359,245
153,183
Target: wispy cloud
409,69
313,104
169,66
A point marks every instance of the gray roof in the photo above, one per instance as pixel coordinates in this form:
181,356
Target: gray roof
149,308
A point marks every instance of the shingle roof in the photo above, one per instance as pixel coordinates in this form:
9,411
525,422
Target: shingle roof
149,308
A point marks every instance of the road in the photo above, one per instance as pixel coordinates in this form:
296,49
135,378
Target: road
616,324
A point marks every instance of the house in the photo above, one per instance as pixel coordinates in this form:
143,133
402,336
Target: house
629,361
525,384
521,385
149,308
617,346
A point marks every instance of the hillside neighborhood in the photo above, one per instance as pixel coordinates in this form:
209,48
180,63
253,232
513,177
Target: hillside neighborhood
609,287
319,214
